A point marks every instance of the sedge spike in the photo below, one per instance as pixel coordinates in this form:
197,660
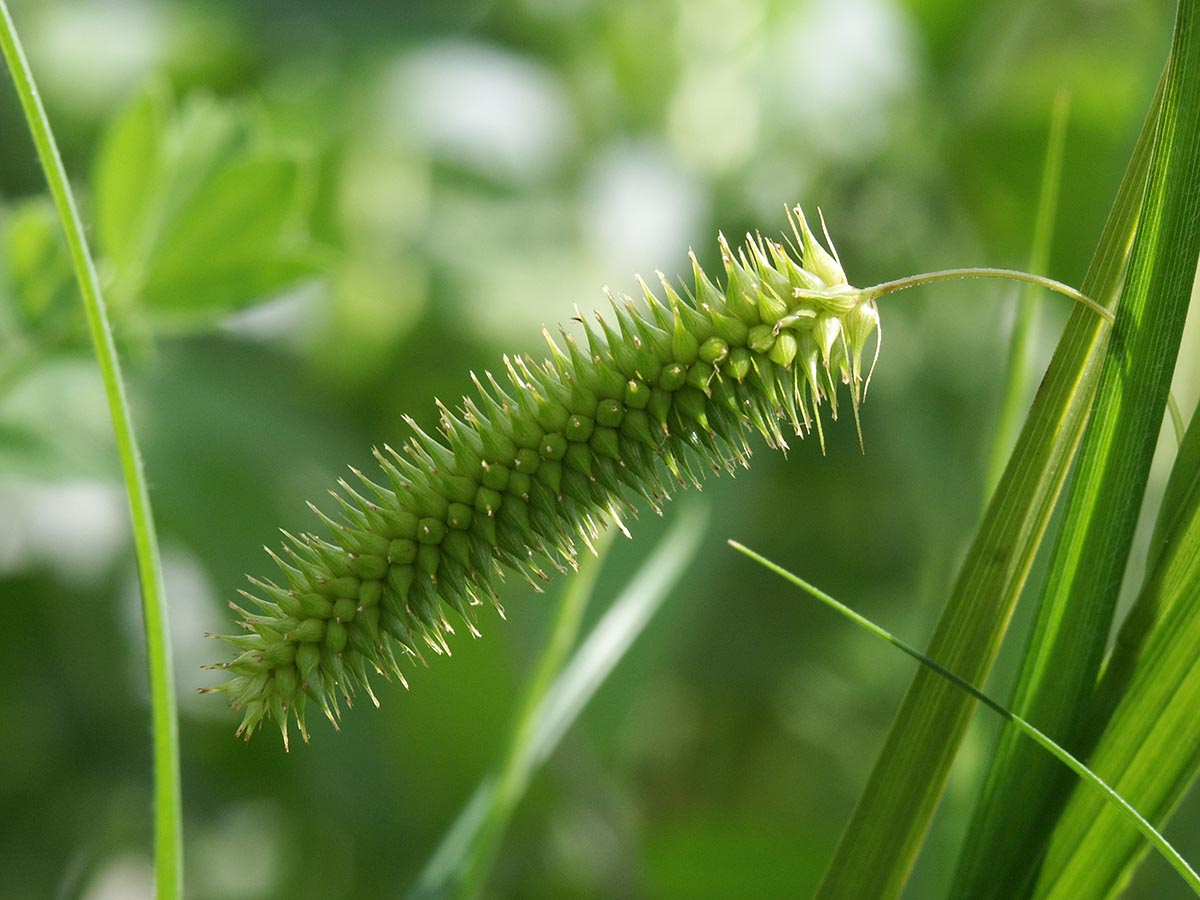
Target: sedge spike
660,393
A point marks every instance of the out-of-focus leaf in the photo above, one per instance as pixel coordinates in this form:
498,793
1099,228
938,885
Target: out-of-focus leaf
126,174
204,135
373,303
35,271
1021,346
449,872
239,213
467,852
54,424
22,450
200,214
224,250
194,295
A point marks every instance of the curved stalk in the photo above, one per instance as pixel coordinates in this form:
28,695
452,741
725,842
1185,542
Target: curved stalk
900,284
168,851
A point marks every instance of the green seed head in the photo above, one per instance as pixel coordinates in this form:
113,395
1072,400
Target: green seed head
651,394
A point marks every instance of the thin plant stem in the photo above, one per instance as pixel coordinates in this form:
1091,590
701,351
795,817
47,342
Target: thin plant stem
168,844
513,775
1148,831
900,284
1024,332
1177,424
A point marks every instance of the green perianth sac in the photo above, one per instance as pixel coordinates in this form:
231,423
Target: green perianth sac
662,391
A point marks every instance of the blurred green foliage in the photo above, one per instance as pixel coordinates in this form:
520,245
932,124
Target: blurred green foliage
313,218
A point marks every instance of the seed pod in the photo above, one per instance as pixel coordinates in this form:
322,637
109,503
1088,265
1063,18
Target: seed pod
664,390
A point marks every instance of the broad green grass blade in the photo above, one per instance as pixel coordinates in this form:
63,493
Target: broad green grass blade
1151,749
1024,336
1171,539
880,844
1095,786
1025,791
460,865
168,803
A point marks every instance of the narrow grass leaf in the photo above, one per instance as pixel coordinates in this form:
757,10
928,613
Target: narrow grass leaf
1025,325
881,841
483,818
459,866
128,165
1025,791
509,783
1095,786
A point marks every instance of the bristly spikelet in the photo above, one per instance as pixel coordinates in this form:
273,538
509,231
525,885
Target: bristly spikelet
525,467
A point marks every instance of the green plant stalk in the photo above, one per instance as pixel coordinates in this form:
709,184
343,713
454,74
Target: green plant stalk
1176,419
513,774
1075,613
1024,335
168,815
881,841
1131,815
900,284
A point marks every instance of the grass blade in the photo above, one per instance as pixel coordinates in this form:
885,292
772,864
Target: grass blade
1097,787
1169,548
460,865
168,810
1151,748
1026,791
880,843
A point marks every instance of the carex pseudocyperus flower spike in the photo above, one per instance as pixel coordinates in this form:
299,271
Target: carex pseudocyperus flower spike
533,465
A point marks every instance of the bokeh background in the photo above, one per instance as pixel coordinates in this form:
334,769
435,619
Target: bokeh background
456,175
